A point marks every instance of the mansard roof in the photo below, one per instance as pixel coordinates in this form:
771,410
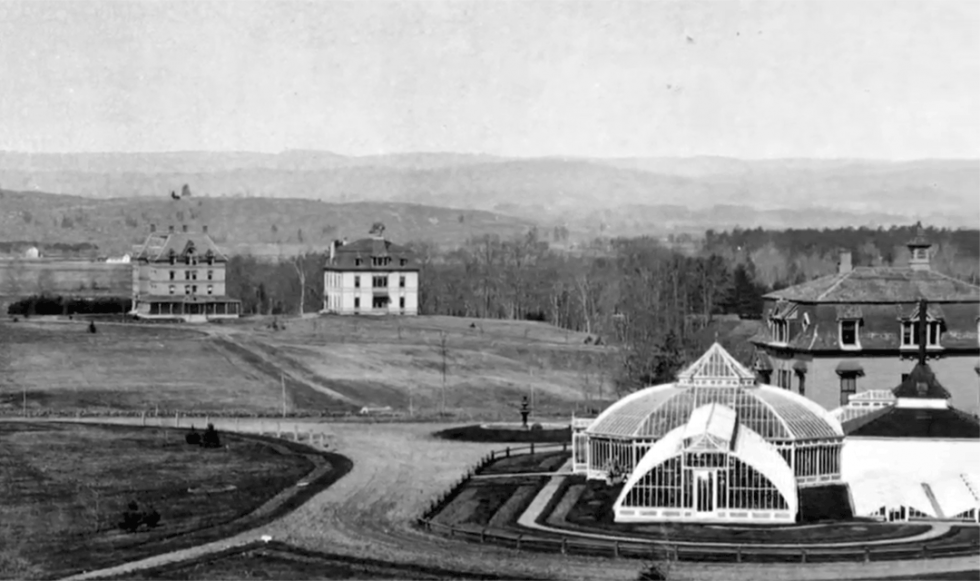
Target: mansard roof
157,247
346,256
881,284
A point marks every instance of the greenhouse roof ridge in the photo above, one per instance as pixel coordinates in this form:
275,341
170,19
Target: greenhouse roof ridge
716,368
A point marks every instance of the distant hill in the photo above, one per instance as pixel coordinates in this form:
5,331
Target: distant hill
258,225
622,196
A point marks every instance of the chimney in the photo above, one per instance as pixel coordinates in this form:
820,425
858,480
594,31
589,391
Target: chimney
184,227
844,266
153,228
171,228
205,228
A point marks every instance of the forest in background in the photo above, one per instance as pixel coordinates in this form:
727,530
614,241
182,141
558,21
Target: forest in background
653,301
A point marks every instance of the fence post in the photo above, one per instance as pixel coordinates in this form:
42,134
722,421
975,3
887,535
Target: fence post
483,535
867,554
517,545
925,551
616,550
673,550
564,545
491,454
507,452
738,554
143,418
802,555
176,419
532,447
564,446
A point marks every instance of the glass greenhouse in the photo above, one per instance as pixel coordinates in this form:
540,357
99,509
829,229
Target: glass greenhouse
713,446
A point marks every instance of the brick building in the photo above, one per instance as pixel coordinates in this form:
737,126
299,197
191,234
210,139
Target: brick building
858,329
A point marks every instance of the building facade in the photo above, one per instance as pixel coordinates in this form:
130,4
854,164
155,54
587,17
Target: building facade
181,275
371,276
856,331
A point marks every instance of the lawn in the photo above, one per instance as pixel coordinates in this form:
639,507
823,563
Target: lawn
490,364
477,433
528,463
64,487
280,561
588,507
480,500
62,368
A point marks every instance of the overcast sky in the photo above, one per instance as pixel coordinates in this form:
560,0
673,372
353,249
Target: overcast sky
894,80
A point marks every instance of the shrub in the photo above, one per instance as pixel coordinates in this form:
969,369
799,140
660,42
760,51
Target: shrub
536,427
193,438
210,438
133,518
151,519
91,327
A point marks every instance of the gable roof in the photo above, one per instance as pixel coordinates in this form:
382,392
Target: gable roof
921,384
716,368
880,284
157,247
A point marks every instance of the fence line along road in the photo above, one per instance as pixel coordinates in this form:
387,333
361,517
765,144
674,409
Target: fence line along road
521,539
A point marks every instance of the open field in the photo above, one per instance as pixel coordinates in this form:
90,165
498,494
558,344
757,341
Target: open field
65,487
278,561
489,366
328,364
63,367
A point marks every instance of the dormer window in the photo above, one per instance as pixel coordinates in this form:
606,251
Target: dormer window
357,262
403,262
910,333
173,257
849,334
780,331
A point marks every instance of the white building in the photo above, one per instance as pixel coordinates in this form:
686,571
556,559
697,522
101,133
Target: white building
715,446
909,454
371,276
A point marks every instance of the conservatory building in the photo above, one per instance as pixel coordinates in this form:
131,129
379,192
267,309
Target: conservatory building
714,446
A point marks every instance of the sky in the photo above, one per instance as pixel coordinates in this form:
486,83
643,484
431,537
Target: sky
789,78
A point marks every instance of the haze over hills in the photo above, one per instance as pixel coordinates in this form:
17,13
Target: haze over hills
619,196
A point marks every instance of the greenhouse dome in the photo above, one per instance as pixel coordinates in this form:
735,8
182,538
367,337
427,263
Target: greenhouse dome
805,435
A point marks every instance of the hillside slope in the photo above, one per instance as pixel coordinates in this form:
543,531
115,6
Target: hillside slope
239,225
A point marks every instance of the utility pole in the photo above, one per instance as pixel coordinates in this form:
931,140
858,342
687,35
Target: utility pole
282,381
442,345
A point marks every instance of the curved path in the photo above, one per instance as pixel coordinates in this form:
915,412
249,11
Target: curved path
399,468
529,517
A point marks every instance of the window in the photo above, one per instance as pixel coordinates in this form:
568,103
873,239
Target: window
380,260
187,259
357,281
783,378
806,321
193,275
210,275
905,377
357,262
403,262
210,289
780,330
357,302
173,258
765,377
849,333
187,275
848,387
910,333
379,281
401,281
401,302
172,274
171,288
379,302
187,289
194,289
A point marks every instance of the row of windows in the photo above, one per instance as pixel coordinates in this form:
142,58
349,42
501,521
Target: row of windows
379,281
380,261
191,259
190,275
379,302
848,333
190,289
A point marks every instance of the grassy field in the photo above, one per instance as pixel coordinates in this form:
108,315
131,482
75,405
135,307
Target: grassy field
66,485
279,561
61,366
490,364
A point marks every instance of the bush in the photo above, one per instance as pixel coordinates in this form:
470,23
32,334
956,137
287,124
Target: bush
536,427
193,438
210,438
133,518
